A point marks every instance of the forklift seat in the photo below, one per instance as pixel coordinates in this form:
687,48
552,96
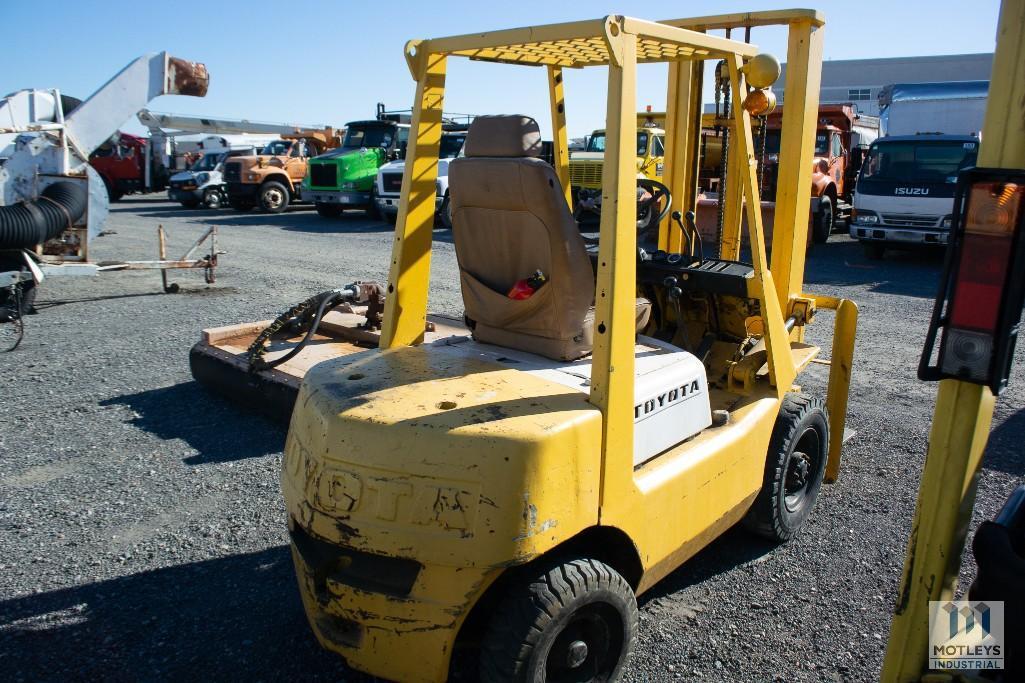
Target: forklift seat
509,220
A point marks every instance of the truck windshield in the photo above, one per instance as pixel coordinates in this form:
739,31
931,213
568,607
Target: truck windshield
451,146
276,148
597,143
369,136
772,142
207,162
919,160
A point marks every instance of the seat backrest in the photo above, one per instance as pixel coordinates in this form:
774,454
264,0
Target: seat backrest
509,220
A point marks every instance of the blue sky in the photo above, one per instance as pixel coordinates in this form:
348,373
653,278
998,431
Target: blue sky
306,61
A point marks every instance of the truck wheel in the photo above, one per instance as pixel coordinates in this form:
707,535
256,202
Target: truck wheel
445,213
824,220
113,194
212,199
240,204
794,469
274,197
575,621
873,250
373,213
328,210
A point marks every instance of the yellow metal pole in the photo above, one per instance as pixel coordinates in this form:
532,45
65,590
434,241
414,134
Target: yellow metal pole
839,388
964,412
405,309
946,497
777,341
797,145
612,372
683,131
560,143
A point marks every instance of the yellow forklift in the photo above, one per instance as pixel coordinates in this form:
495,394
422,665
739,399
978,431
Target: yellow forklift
512,480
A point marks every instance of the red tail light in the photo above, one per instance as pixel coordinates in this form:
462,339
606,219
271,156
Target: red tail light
983,287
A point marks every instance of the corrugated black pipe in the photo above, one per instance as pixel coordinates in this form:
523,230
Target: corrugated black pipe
24,225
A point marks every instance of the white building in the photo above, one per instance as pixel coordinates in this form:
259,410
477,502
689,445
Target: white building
860,80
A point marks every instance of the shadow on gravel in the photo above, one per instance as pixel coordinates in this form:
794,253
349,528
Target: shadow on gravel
1004,452
231,618
912,272
734,548
215,429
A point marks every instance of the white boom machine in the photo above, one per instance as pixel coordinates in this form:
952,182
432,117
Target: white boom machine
52,203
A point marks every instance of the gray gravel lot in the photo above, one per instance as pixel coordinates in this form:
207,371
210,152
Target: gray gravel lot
142,531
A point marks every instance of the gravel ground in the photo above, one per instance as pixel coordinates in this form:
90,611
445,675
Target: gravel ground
142,530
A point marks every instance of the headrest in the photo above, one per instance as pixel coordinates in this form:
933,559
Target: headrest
503,136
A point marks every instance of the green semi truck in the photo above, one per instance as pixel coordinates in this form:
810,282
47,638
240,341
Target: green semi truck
344,177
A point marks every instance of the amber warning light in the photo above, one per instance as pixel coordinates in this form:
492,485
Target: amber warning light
978,308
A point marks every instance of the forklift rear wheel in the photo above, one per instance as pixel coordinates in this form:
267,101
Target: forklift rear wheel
824,221
794,469
273,197
575,621
212,199
873,250
328,210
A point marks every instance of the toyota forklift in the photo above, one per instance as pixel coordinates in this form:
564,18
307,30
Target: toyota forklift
507,483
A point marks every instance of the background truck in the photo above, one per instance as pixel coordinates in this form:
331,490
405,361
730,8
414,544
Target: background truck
128,164
841,141
272,179
905,191
585,168
203,183
345,178
389,179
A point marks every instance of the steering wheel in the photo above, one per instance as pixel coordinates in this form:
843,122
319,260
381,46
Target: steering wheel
650,195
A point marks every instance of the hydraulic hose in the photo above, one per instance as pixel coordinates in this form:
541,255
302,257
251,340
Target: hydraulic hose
26,224
300,315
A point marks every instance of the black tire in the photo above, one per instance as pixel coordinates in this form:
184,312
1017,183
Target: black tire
240,204
873,250
190,203
445,213
794,469
574,621
212,199
373,213
113,194
328,210
274,197
824,220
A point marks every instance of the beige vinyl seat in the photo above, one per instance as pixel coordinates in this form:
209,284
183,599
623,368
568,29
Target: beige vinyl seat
509,220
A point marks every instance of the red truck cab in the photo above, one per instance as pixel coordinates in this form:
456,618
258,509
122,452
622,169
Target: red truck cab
122,161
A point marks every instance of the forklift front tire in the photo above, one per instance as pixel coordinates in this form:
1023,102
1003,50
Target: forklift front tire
794,469
574,621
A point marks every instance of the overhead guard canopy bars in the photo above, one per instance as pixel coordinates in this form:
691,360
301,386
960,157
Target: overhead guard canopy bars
581,43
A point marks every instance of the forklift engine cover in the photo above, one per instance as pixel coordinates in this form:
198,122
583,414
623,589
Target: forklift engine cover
492,484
